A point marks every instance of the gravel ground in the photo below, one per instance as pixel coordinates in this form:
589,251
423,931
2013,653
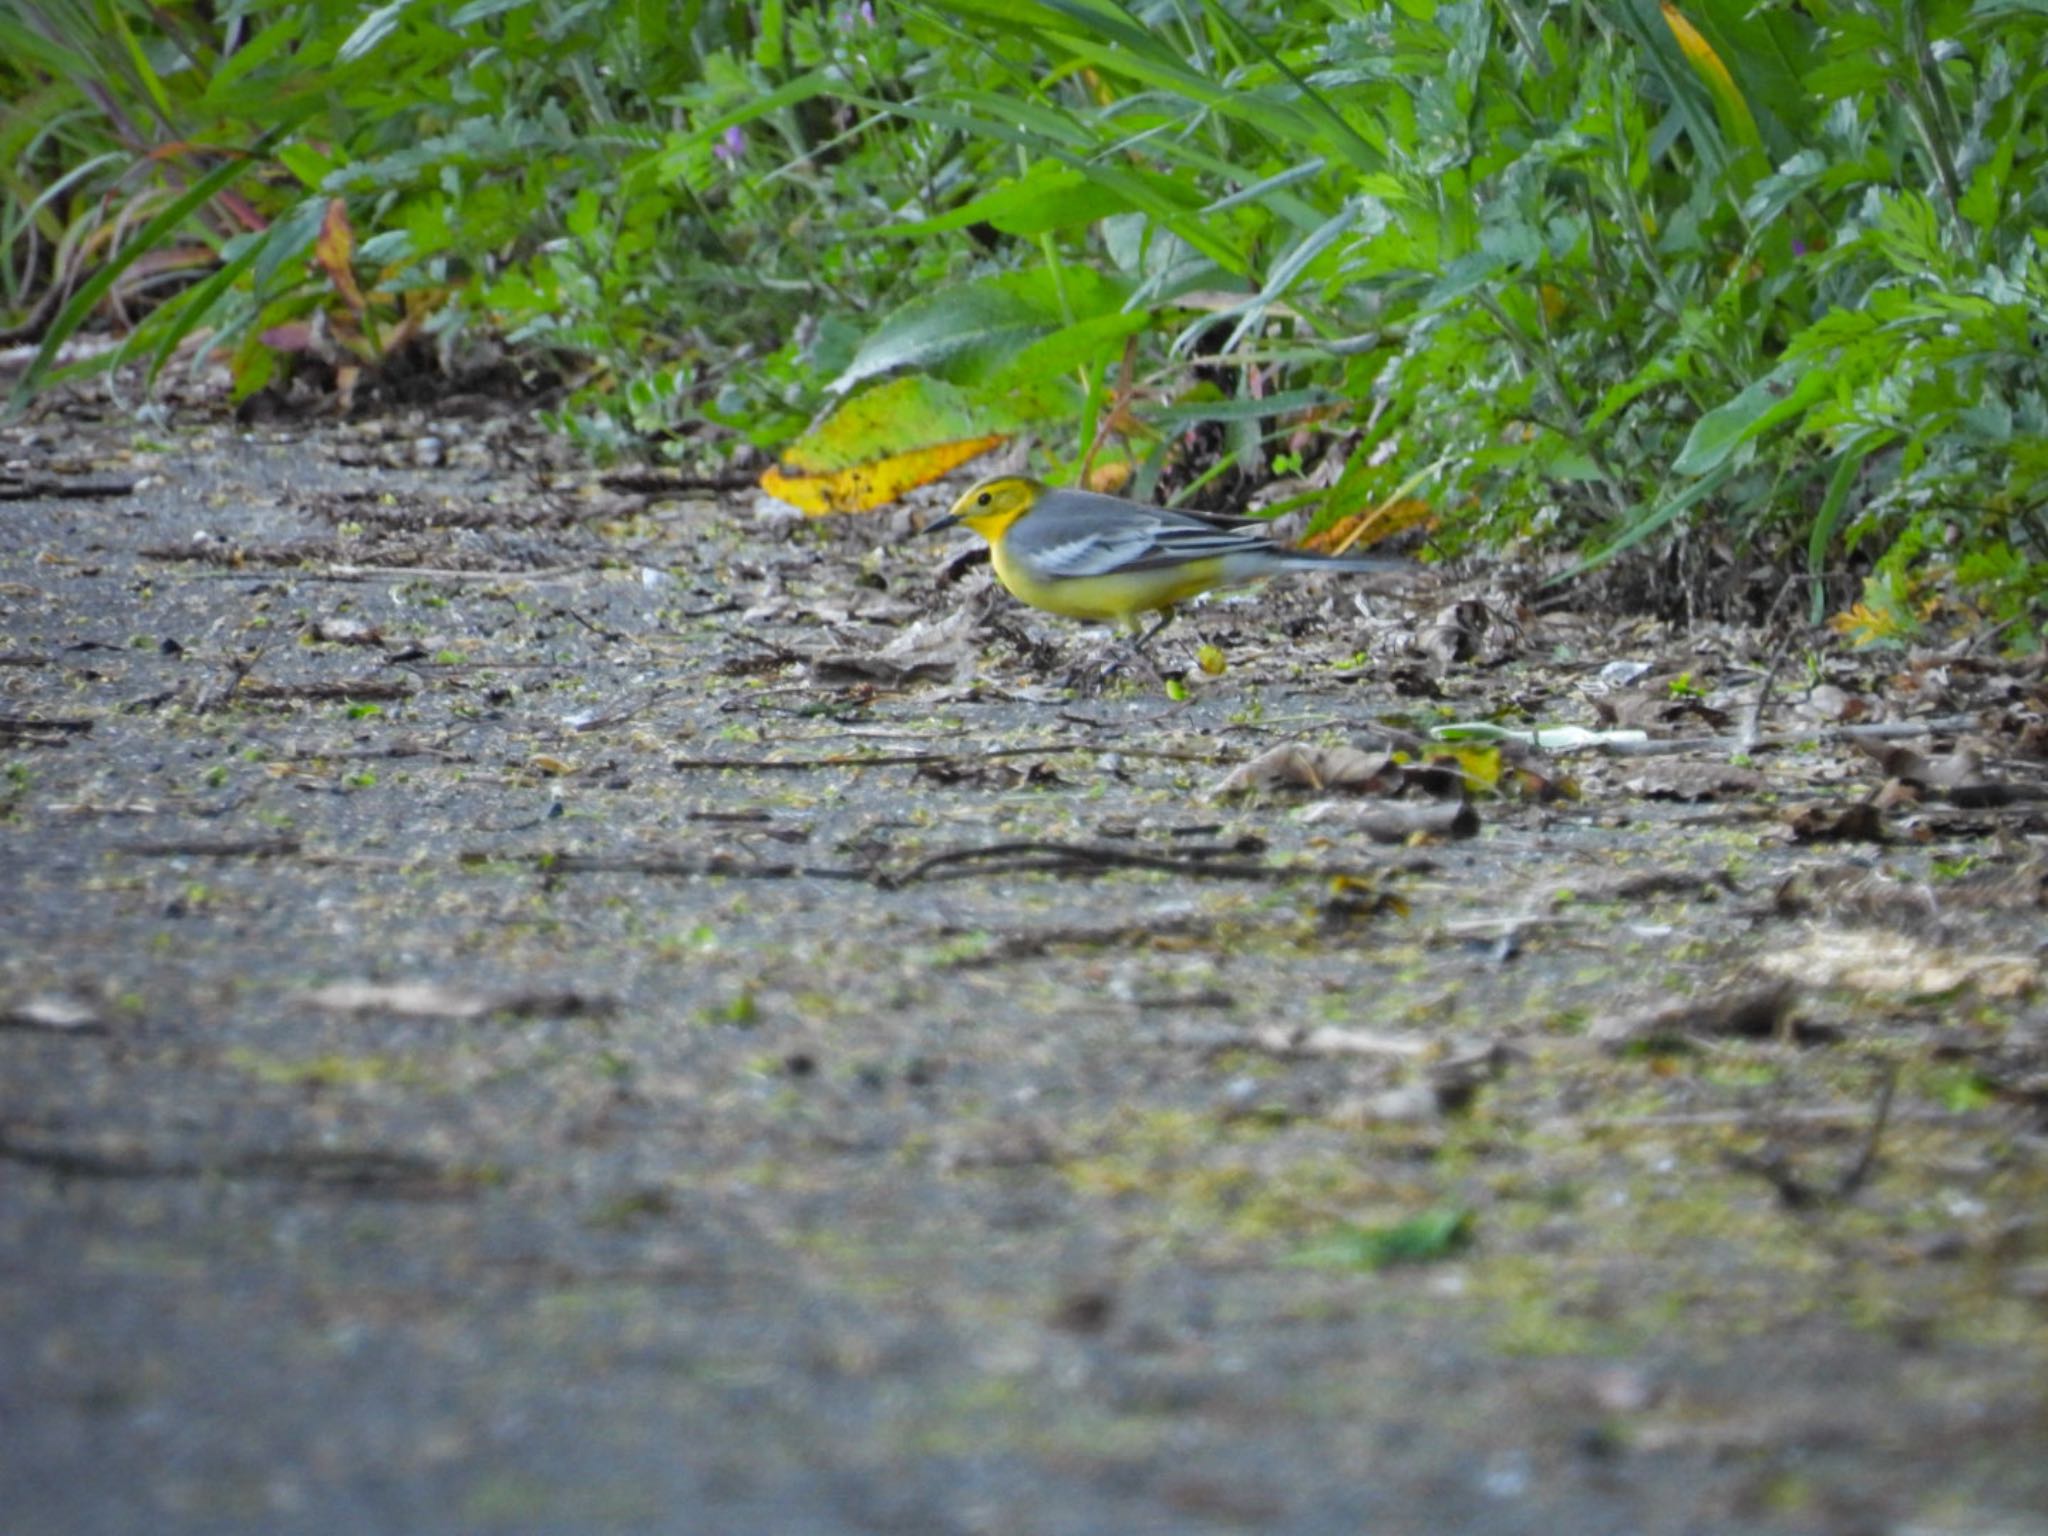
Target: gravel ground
538,1005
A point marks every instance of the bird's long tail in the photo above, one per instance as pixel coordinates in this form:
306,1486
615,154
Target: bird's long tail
1309,560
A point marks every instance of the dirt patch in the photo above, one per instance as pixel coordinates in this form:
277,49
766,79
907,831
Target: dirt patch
522,1012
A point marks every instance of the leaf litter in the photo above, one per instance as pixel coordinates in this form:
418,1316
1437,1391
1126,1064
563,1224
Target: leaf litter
859,1084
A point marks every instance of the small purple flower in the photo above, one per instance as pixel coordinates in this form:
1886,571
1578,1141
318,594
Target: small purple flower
867,11
731,146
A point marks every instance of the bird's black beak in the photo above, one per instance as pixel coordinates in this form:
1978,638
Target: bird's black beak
950,520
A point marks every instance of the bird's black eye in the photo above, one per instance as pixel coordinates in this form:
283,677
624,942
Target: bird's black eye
982,501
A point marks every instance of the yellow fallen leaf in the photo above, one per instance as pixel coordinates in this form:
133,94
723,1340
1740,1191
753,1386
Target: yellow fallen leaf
1480,765
889,439
1110,476
1364,529
877,483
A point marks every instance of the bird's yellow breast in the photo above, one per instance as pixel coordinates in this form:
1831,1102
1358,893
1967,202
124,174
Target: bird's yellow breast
1115,598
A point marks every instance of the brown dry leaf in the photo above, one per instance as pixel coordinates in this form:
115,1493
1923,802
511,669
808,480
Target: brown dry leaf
1384,823
1757,1012
1824,823
1666,779
990,775
1364,529
1297,765
334,249
1653,703
1960,776
1901,761
1831,705
1453,633
941,650
1893,965
345,632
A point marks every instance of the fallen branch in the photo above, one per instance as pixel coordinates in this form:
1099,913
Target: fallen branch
397,1173
902,759
12,489
33,730
221,848
669,866
1035,857
364,690
1304,1040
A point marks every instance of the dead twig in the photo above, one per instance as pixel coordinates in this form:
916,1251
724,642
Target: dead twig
1752,728
1301,1040
610,636
1025,944
390,750
643,482
63,490
1798,1194
1037,857
371,1169
219,848
670,866
237,671
385,572
902,759
364,690
621,715
31,729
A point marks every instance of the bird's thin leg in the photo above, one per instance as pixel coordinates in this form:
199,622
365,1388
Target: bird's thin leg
1166,617
1127,650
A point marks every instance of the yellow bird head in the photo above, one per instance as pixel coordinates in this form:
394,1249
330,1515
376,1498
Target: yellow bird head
992,505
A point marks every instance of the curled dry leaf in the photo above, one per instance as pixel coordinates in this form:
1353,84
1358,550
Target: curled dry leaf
1398,823
1456,632
1296,765
1678,780
938,650
345,632
1960,776
1754,1012
1821,823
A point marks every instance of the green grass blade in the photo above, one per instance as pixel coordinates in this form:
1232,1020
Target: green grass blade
1830,516
148,238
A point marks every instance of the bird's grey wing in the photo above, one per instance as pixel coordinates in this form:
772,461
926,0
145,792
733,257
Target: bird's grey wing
1177,538
1099,536
1085,546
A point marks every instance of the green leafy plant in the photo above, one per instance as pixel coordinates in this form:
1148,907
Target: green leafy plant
1676,285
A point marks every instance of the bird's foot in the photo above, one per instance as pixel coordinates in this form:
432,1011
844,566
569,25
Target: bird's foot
1121,659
